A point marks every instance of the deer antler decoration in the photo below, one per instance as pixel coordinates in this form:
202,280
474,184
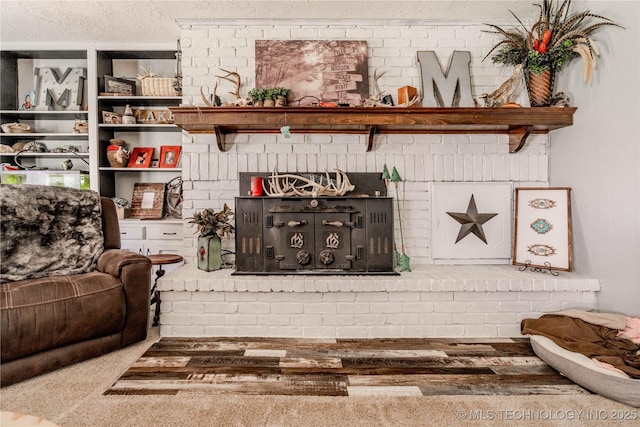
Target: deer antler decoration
235,81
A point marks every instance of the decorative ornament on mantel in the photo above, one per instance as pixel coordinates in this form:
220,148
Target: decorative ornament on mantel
548,45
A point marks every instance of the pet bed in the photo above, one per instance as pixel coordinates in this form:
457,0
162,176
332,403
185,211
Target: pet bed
599,352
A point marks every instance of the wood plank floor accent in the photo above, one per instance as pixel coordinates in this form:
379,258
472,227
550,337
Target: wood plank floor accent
342,367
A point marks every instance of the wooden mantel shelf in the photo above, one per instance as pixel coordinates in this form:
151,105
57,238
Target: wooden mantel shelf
518,123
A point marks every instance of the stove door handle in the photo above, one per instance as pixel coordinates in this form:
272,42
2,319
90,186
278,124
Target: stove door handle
297,223
333,223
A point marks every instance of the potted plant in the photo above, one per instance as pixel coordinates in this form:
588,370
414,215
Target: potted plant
270,97
548,45
281,96
212,227
121,205
258,96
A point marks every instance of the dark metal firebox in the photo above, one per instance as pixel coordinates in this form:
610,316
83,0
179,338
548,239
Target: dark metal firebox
350,234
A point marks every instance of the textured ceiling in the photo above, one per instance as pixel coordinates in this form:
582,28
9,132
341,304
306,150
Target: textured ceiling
151,21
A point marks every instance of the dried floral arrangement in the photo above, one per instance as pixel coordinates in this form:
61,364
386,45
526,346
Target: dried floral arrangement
552,41
210,223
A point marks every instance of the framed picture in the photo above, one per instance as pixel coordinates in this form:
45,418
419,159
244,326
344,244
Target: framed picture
147,201
314,70
141,157
543,228
111,118
29,101
471,222
119,85
169,156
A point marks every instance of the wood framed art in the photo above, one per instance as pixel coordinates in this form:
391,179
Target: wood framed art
141,157
542,237
147,201
117,85
169,156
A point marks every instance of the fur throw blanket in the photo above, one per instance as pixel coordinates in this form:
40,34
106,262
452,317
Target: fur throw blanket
48,231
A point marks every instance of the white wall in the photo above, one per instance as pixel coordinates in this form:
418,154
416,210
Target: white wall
599,157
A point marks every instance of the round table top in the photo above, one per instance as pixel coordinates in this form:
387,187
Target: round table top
161,259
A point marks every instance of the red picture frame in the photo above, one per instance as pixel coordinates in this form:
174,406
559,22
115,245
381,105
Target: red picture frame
169,156
140,157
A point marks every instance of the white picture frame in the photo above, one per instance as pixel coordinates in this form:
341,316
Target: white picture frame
543,235
490,198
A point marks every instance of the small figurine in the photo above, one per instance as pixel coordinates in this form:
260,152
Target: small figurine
503,94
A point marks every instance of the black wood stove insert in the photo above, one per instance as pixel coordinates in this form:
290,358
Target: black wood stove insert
351,234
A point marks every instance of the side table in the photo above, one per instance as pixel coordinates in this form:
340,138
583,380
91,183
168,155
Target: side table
160,260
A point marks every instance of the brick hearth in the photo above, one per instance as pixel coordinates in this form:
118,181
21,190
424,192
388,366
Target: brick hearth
430,301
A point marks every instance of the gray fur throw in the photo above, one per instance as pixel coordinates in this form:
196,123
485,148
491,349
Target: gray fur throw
48,231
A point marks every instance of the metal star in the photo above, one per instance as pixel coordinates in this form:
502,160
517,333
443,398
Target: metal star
471,221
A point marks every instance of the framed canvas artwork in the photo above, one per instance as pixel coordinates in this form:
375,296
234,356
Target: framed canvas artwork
543,228
314,70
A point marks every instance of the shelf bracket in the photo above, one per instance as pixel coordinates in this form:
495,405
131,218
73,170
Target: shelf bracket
220,138
372,131
518,136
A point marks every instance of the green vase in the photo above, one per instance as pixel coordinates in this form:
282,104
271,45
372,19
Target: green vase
209,253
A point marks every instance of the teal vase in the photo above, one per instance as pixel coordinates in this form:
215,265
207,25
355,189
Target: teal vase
209,253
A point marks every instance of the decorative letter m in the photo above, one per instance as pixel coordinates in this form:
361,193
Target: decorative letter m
64,92
450,89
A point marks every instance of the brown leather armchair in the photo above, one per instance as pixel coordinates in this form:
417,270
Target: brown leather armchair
54,321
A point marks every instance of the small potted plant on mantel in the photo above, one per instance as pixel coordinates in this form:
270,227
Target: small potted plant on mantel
212,227
258,96
281,96
270,97
550,43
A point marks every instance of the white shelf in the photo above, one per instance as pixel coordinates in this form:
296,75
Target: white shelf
137,126
48,154
106,168
46,114
138,98
34,135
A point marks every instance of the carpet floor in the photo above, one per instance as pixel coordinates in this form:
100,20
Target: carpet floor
342,367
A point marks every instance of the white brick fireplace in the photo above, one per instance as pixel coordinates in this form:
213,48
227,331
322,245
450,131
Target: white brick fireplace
432,300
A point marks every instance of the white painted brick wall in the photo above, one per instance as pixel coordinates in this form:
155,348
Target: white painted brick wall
419,158
473,301
437,301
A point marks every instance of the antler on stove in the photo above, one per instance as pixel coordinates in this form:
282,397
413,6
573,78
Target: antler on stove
283,185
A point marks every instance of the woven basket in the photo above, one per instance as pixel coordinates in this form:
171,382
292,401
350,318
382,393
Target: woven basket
157,86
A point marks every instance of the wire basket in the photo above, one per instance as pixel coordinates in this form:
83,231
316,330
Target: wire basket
157,86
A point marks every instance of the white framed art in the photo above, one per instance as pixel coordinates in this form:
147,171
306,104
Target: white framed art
471,222
542,237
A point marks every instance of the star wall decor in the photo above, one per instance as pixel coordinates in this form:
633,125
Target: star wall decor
471,221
